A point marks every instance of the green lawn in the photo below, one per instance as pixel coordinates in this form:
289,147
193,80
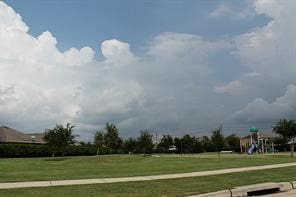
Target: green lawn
28,169
171,187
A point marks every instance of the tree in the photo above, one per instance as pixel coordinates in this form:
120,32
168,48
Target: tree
280,143
99,141
188,143
218,140
178,144
112,140
233,142
145,142
287,129
59,138
197,146
130,145
206,144
165,143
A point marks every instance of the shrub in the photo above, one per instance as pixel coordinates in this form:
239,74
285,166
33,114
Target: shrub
42,150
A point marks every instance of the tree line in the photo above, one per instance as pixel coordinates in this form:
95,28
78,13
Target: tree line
60,141
108,141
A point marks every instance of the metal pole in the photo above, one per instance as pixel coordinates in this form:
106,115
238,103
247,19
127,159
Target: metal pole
181,148
272,146
241,146
258,138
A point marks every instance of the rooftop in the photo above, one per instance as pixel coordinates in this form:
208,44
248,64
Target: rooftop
9,135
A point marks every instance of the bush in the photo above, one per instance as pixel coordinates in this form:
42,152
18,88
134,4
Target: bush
42,150
24,150
80,150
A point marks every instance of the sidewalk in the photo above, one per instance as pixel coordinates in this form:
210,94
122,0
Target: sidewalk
137,178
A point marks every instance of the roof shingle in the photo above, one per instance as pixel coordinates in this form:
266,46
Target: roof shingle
8,135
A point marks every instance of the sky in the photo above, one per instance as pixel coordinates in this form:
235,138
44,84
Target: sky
171,66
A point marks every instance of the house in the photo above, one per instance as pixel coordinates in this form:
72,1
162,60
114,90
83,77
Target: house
9,135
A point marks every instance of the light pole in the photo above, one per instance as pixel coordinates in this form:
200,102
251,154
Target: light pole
181,147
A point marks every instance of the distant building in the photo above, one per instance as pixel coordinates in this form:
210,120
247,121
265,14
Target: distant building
8,135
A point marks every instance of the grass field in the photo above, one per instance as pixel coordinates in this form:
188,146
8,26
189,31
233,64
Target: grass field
171,187
29,169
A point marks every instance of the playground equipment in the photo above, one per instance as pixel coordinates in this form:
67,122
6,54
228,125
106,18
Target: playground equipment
257,142
253,149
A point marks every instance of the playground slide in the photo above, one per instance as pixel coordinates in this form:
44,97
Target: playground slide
251,149
254,148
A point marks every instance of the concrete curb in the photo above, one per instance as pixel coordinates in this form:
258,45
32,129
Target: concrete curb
279,189
223,193
293,184
243,191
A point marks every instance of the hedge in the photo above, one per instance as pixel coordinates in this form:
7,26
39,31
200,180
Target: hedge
34,150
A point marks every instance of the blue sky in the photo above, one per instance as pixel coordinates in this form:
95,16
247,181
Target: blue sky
173,66
79,23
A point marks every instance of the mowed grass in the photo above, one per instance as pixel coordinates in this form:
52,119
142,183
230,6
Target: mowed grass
170,187
33,169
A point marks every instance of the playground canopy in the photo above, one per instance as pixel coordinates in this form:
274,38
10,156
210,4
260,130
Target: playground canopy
254,130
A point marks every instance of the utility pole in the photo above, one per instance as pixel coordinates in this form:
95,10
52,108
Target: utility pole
156,135
181,147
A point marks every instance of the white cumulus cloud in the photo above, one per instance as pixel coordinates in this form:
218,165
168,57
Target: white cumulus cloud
270,49
41,86
233,88
117,52
233,13
260,110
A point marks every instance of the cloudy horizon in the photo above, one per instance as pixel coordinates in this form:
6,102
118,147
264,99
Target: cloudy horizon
172,66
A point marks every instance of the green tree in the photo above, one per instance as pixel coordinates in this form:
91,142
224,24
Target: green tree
130,145
218,140
287,129
188,143
99,141
178,144
197,146
233,142
206,144
145,142
112,140
165,143
59,138
280,143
